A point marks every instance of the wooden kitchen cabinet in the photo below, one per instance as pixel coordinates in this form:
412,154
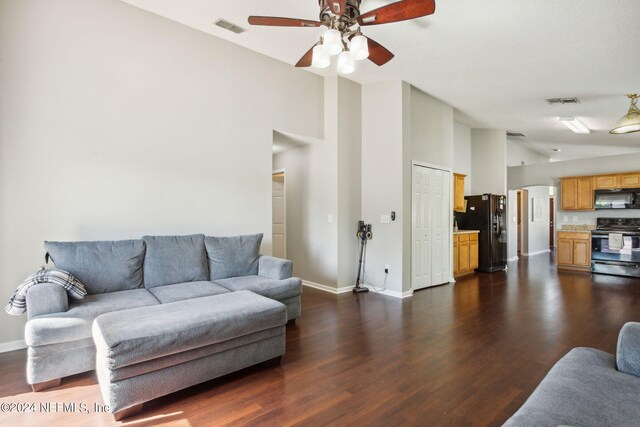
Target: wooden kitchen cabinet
629,180
574,251
577,193
607,182
458,192
465,253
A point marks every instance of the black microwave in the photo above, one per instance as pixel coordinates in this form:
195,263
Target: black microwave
617,199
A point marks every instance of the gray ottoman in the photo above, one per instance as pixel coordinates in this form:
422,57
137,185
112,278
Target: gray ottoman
144,353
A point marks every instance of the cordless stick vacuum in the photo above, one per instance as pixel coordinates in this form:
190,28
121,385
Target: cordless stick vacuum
364,234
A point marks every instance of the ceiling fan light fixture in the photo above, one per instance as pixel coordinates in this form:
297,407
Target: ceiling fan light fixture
346,65
575,125
359,48
321,58
630,122
332,42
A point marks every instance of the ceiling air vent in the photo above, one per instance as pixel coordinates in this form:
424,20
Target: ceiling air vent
563,101
515,134
223,23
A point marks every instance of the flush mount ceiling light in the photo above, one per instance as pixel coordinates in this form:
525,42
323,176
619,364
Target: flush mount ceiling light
574,124
343,36
630,122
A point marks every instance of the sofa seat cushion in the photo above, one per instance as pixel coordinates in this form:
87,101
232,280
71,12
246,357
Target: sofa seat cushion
233,256
582,389
138,335
270,288
108,266
188,290
174,259
75,324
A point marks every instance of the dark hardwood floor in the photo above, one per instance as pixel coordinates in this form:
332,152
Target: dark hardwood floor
463,354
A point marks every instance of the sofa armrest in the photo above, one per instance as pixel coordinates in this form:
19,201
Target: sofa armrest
46,298
274,268
628,351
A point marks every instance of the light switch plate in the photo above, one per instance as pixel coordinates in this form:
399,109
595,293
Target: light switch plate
575,219
565,218
385,219
330,219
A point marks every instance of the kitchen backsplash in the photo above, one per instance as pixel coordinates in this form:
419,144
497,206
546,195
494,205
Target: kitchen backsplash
589,218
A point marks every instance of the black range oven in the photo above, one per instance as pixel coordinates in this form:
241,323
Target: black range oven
615,247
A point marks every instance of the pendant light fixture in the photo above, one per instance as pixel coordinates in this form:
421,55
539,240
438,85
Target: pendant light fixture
630,122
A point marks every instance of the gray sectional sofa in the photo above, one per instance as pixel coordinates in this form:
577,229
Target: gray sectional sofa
131,274
588,387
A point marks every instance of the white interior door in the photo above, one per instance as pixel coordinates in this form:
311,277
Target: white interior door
421,228
431,227
440,228
279,216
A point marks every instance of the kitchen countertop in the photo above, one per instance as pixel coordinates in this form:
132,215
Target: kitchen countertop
466,231
577,227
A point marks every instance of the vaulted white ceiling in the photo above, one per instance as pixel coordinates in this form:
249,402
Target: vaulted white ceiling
495,61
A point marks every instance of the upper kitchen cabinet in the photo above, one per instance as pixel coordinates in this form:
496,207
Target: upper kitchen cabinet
577,193
458,192
630,180
607,182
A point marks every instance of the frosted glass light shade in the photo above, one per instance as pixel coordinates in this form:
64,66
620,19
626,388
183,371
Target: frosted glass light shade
332,42
630,122
345,63
320,57
359,48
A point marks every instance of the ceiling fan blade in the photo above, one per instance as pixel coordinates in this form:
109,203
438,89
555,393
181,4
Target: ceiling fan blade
398,11
273,21
378,54
338,6
306,59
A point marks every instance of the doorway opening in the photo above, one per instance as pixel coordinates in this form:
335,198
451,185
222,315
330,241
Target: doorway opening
279,214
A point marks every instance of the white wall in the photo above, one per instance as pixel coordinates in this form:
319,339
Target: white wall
117,123
431,125
489,161
550,173
324,179
462,154
535,237
382,180
310,198
518,155
349,178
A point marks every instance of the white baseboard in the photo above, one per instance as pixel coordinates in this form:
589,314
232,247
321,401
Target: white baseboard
346,289
326,288
12,345
545,251
395,294
515,258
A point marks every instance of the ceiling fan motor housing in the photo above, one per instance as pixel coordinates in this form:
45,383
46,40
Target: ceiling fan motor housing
331,13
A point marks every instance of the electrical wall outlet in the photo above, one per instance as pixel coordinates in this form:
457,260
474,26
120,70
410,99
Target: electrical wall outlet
575,219
386,269
565,218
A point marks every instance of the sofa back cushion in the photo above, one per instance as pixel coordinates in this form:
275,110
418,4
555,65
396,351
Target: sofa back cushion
101,266
174,259
233,256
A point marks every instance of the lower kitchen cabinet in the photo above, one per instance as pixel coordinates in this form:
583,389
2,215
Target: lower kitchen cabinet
574,251
465,252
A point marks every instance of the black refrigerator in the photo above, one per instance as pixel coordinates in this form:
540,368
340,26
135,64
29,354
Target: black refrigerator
487,213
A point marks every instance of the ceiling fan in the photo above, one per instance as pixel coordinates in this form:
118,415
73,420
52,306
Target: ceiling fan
344,36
